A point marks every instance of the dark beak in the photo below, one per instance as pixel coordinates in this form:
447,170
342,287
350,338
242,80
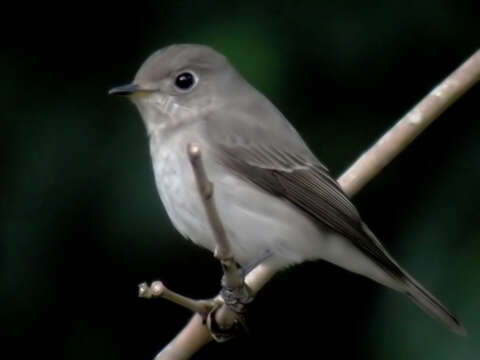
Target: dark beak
124,90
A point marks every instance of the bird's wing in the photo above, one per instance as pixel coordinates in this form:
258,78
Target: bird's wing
278,161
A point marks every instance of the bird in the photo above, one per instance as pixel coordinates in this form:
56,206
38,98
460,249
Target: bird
273,194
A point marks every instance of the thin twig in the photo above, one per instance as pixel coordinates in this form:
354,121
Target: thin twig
223,249
158,289
205,188
222,320
195,335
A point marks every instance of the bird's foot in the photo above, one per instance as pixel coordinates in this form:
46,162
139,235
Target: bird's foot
239,296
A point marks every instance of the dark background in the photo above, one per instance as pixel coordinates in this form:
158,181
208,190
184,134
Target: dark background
81,222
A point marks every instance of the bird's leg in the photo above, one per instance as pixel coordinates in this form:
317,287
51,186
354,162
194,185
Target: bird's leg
237,295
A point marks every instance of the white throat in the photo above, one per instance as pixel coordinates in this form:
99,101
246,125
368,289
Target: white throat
162,112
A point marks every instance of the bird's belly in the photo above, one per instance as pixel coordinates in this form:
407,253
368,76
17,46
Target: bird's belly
255,221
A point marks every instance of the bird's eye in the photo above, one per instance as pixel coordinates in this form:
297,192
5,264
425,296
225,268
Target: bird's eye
185,81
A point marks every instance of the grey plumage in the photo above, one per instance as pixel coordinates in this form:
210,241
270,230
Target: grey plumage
272,192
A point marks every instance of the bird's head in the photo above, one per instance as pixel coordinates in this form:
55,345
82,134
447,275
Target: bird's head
178,82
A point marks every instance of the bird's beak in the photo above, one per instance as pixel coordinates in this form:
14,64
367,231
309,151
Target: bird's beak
126,90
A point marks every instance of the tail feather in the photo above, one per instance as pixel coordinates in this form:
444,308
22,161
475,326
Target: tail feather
419,295
432,306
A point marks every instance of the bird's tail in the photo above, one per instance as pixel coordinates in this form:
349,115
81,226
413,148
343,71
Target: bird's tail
419,295
431,305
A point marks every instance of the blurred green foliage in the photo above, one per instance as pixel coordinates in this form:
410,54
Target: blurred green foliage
82,224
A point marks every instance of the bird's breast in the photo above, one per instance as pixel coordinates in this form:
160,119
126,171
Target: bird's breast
177,188
255,221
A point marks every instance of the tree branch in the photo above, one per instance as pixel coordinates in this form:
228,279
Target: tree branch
195,334
411,125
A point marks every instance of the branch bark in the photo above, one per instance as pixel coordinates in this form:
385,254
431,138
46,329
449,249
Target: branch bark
411,125
195,335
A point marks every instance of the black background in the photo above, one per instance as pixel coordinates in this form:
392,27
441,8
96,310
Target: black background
82,224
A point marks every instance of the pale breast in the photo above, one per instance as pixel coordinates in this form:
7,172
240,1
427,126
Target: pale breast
177,188
255,221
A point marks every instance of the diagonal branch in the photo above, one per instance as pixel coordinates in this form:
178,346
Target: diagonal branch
394,141
195,335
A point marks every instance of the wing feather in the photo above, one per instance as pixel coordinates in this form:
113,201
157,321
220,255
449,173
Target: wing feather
284,167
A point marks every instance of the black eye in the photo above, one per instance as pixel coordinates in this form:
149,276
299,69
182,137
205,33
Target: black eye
185,81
